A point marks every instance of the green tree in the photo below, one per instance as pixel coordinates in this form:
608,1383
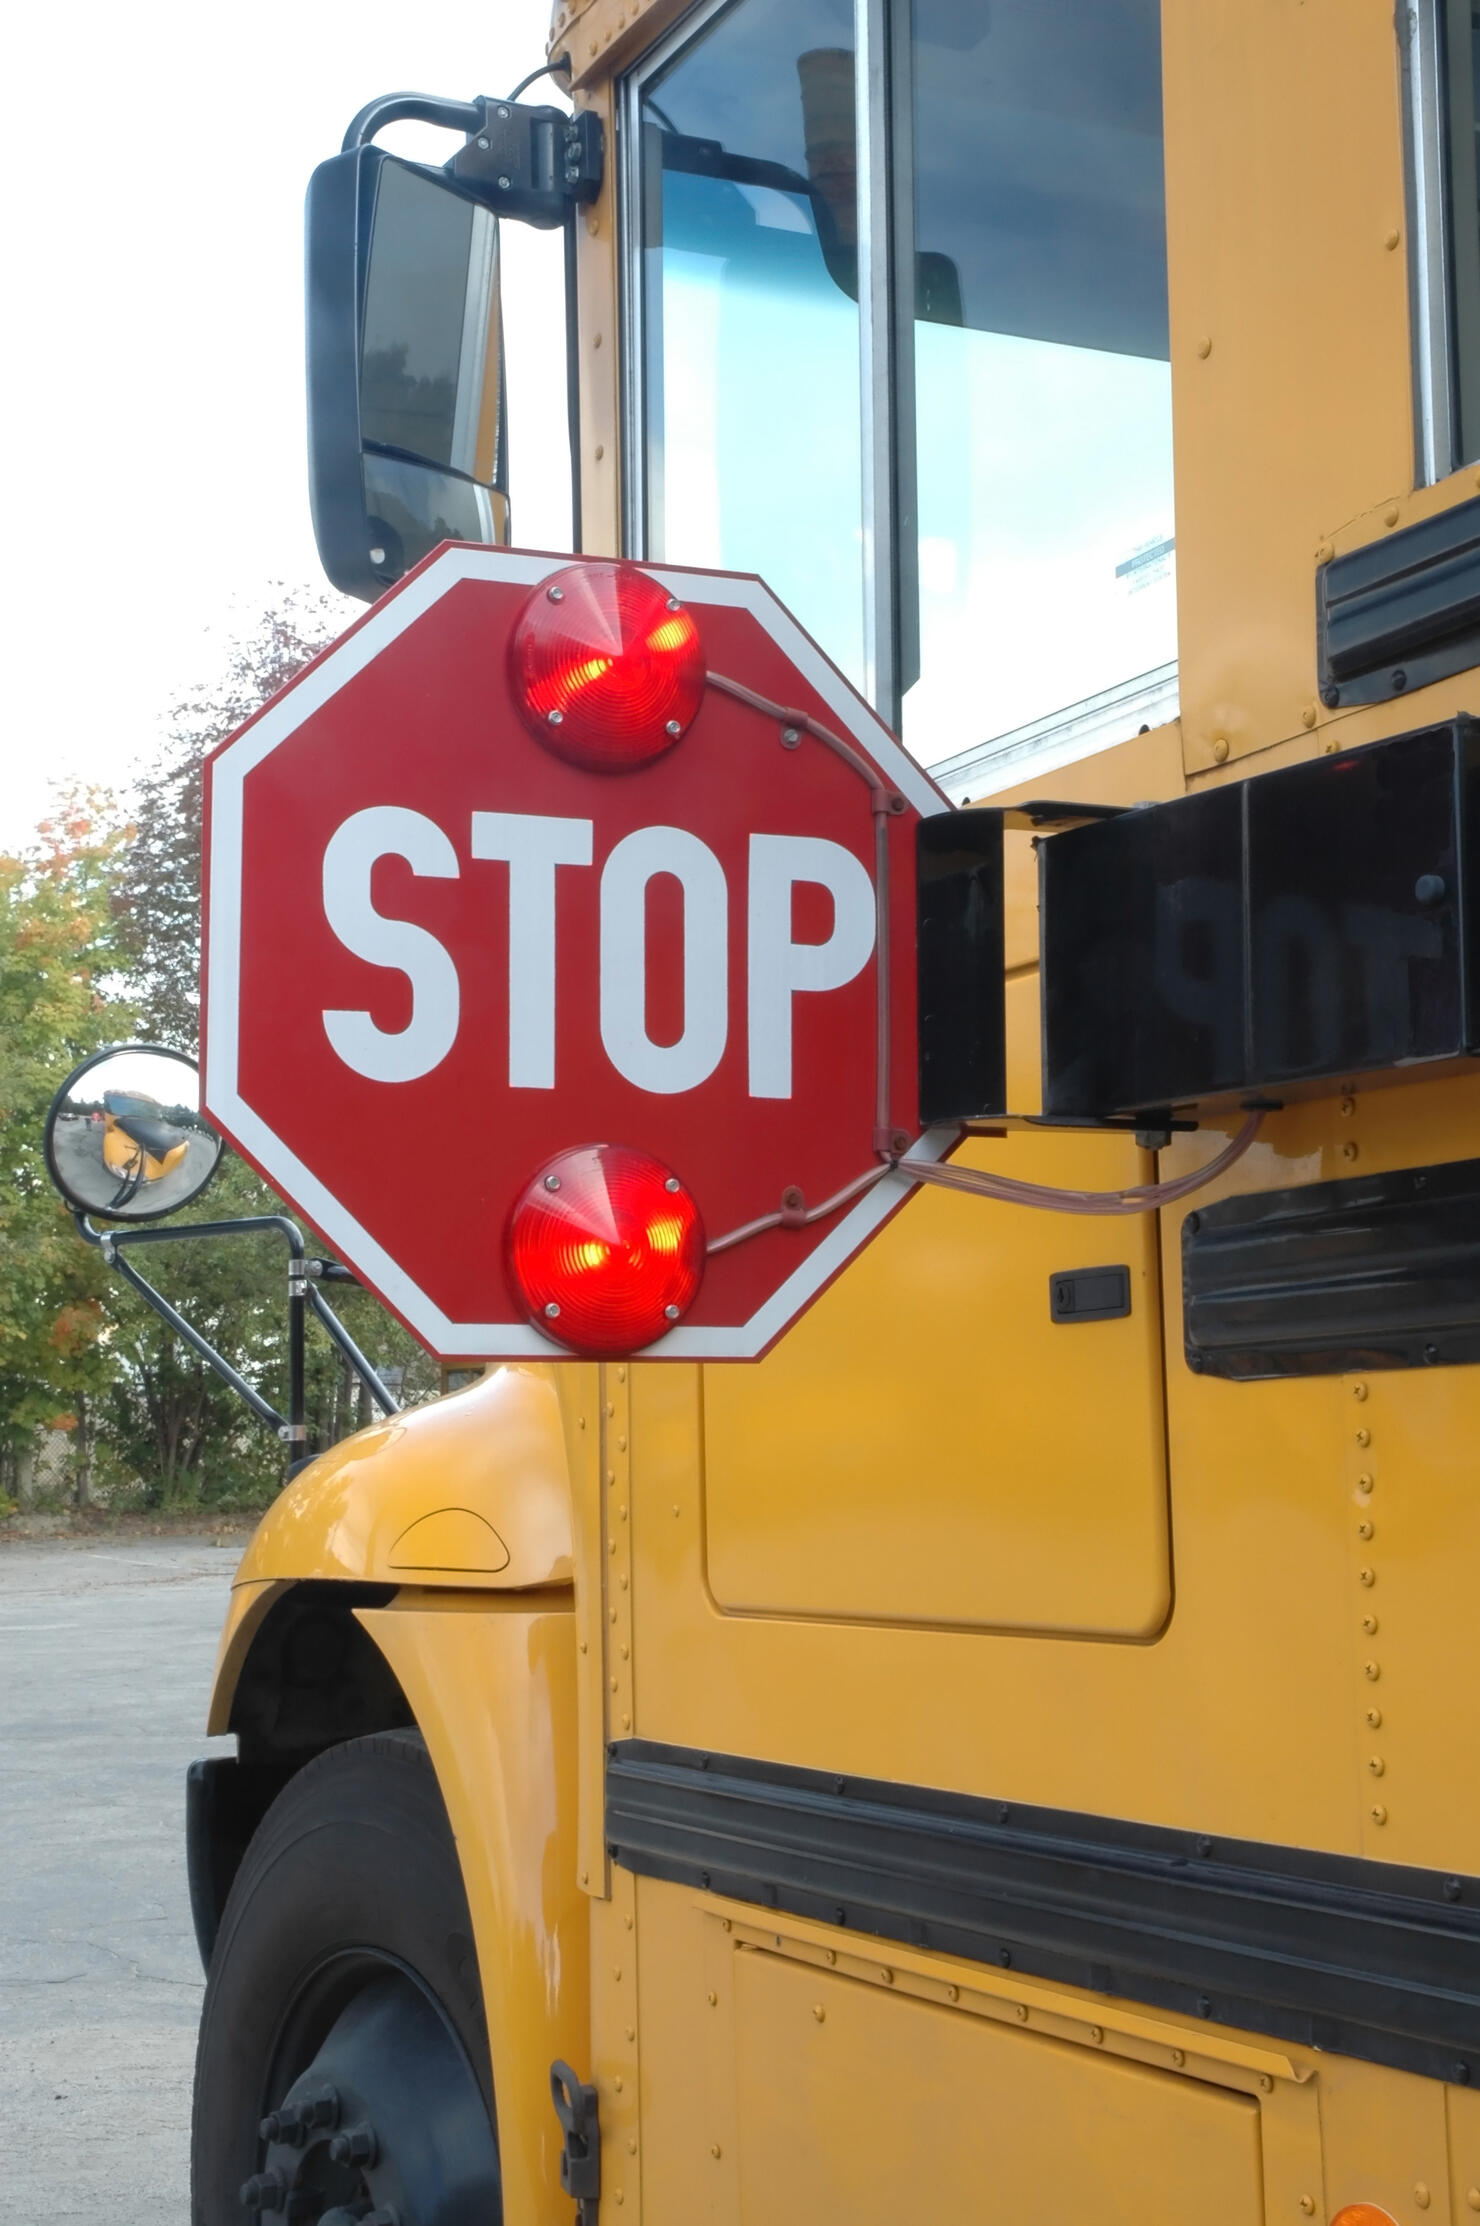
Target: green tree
171,1419
58,950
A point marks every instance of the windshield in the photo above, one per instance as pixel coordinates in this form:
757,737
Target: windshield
1028,534
750,343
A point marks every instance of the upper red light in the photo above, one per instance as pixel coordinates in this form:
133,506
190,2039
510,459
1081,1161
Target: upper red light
605,1249
607,666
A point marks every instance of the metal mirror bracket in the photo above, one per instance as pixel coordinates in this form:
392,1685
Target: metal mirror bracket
303,1275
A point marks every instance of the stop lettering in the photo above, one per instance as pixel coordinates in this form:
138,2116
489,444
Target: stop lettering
503,877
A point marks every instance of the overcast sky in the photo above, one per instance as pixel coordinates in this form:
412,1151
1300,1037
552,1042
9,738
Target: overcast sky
154,161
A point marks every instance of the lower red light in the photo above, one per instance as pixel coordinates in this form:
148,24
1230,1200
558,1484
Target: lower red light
607,666
605,1249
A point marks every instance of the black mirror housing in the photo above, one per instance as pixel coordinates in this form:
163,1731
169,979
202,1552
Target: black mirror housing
406,413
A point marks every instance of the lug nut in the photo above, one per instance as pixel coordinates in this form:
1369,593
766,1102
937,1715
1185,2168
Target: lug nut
356,2145
286,2124
264,2191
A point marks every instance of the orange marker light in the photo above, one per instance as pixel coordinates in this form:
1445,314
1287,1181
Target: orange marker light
1363,2214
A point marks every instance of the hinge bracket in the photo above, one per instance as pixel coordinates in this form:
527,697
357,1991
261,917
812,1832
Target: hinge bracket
580,2153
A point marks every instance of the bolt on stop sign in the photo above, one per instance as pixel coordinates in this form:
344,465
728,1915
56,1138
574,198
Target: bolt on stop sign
560,957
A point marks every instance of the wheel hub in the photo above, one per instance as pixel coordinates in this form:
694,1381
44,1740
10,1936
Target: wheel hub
386,2126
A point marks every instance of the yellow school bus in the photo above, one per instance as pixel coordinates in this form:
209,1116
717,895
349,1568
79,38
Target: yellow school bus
1013,1753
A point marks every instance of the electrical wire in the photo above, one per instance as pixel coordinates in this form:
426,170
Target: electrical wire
1138,1198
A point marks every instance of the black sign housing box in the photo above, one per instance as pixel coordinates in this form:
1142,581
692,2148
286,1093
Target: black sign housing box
1309,923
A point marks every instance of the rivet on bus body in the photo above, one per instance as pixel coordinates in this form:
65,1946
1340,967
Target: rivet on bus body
1022,2013
1266,2084
886,1975
617,2084
1205,347
953,1993
1371,1670
626,1650
1369,1625
1364,1437
1308,715
1390,515
599,450
621,1445
1179,2055
1367,1576
1308,2204
1324,552
713,2000
1348,1150
831,1955
1472,2197
596,339
622,1580
1359,1391
1376,1765
1220,750
676,1508
632,2144
626,1723
1421,2194
819,2013
1379,1813
1374,1717
1390,240
1097,2034
1365,1527
614,1684
1348,1107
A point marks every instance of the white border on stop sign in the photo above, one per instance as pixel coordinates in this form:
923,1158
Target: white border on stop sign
514,1339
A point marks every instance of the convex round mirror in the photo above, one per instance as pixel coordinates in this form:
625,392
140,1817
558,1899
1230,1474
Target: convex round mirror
125,1136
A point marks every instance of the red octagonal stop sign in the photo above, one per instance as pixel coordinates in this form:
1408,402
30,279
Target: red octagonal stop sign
480,894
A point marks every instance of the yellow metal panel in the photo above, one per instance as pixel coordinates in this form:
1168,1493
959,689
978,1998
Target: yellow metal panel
852,2104
1291,392
1463,2112
1237,1718
940,1486
1385,2141
495,1451
491,1684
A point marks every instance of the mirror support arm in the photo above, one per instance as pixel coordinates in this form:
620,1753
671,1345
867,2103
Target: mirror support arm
363,1368
290,1427
573,375
416,108
111,1247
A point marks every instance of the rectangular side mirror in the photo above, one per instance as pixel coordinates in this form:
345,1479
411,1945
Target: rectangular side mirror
406,433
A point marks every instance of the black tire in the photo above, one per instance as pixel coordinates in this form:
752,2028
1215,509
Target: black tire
345,1968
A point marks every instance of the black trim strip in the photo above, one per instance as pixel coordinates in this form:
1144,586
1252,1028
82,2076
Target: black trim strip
1400,612
1374,1271
1365,1959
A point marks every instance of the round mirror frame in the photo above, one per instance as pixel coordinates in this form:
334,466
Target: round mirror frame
97,1059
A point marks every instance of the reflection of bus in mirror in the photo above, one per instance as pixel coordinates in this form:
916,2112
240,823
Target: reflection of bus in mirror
126,1137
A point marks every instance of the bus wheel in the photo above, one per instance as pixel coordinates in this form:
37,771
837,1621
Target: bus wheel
342,2077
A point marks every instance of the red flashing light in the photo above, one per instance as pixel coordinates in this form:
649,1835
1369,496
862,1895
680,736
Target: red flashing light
607,666
605,1249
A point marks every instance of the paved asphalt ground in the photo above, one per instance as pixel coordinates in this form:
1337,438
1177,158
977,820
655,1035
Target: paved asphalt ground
105,1661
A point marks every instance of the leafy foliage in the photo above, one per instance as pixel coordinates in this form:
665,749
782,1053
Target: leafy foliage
99,943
